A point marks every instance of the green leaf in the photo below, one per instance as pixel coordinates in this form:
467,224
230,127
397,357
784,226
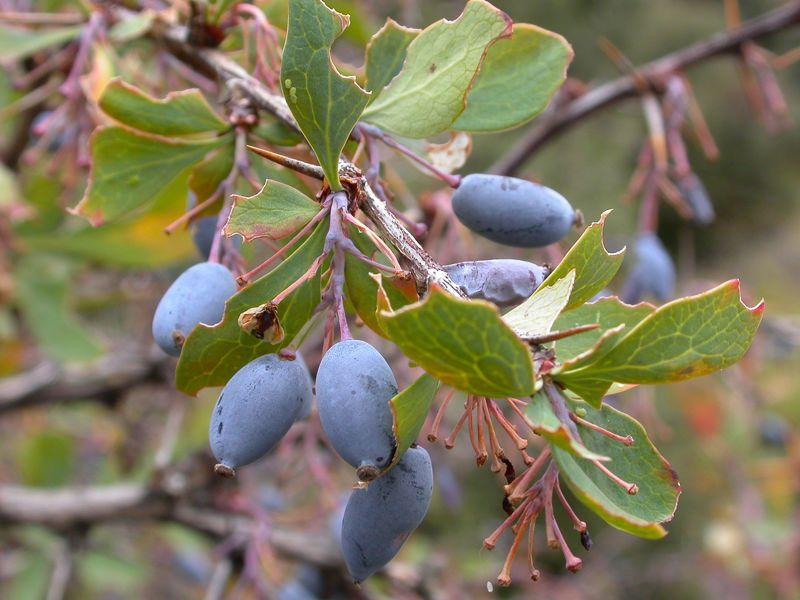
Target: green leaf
130,170
42,295
609,312
325,104
274,212
386,53
594,266
546,424
21,43
641,514
429,93
207,176
129,243
212,354
517,79
47,459
535,316
180,113
464,343
685,338
361,290
133,27
409,410
276,133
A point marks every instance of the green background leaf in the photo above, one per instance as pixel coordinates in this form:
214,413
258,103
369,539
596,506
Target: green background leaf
42,295
641,463
130,170
464,343
429,93
517,79
325,104
180,113
212,354
19,43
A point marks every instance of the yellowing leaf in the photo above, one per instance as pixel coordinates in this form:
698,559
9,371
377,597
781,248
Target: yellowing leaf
535,316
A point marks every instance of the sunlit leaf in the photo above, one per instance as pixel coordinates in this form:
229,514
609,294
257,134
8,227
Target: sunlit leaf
535,316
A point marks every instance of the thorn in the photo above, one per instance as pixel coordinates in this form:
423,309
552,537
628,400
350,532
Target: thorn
559,335
290,163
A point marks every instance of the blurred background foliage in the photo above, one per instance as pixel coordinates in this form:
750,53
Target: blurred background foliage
79,292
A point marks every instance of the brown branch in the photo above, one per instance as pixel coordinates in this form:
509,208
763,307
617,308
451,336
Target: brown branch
104,379
41,19
72,507
215,64
563,117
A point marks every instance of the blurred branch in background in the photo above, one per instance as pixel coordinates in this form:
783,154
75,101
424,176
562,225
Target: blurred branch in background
655,73
102,380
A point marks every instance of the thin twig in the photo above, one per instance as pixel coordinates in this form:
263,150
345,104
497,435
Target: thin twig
654,72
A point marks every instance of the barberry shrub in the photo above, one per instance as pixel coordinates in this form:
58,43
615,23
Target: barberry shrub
536,351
